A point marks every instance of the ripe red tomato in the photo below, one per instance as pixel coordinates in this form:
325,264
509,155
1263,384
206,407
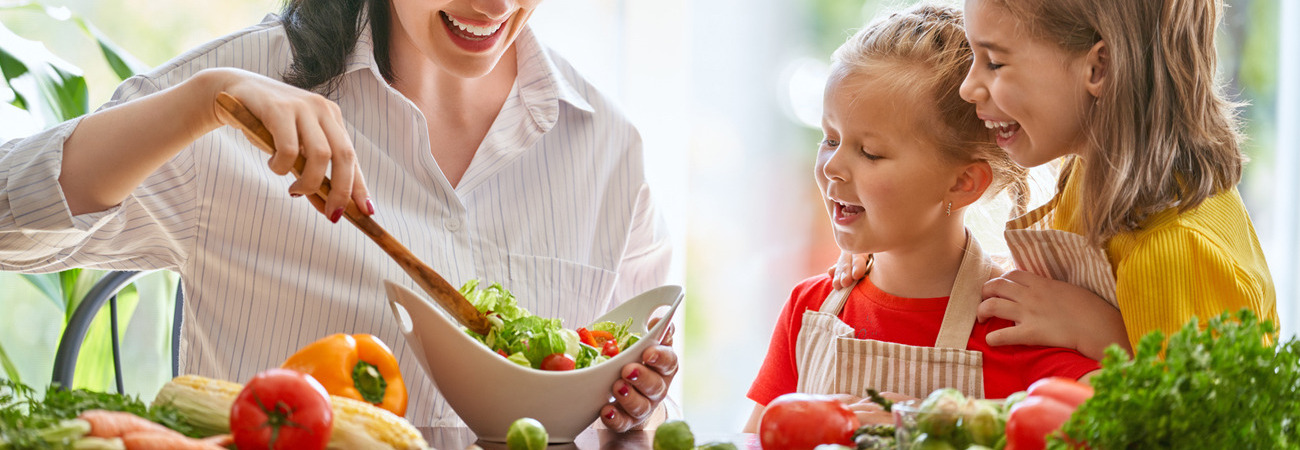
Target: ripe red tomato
803,421
1068,391
1031,420
281,409
558,361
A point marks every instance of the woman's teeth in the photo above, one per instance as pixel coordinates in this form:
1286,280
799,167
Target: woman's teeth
1004,129
474,30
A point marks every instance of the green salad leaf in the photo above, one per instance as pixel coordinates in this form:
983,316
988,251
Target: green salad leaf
1221,387
527,339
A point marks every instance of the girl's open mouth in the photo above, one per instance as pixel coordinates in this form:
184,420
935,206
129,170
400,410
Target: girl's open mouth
846,213
1003,131
470,36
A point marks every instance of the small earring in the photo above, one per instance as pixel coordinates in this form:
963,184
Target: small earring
948,210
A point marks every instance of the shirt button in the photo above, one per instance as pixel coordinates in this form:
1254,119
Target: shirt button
453,225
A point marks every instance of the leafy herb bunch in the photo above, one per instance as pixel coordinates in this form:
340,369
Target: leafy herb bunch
1222,387
29,422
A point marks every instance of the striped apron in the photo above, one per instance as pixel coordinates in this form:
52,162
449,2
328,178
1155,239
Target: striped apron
830,361
1059,255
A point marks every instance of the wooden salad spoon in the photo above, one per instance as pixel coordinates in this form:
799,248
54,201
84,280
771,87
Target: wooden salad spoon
447,296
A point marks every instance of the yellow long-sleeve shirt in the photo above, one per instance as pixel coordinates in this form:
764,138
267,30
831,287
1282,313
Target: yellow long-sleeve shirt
1201,263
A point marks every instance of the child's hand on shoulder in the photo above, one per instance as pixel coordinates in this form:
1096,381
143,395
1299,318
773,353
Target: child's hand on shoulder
848,270
1050,313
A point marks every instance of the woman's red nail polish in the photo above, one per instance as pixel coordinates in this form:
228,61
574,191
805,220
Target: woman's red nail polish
338,213
370,207
636,373
622,391
609,415
295,195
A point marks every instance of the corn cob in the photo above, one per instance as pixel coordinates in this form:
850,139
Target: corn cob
205,403
364,424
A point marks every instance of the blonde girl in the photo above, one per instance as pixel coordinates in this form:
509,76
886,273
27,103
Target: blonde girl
902,159
1124,92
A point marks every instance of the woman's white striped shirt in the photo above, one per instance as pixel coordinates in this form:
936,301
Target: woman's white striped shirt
554,206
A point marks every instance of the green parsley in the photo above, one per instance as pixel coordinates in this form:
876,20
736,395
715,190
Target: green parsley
1221,387
31,422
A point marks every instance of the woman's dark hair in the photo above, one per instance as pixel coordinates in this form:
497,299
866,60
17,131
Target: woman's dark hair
323,32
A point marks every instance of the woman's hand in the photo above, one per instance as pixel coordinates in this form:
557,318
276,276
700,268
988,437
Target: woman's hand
642,386
1051,313
302,123
848,270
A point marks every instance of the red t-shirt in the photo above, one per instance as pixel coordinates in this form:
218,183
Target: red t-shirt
874,314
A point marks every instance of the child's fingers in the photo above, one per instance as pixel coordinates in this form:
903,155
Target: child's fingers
1015,335
860,265
1024,278
846,398
1003,287
997,307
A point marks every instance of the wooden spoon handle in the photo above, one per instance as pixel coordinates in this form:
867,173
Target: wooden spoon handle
236,114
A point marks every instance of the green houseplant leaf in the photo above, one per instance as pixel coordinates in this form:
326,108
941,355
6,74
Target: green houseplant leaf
50,285
44,84
11,371
122,62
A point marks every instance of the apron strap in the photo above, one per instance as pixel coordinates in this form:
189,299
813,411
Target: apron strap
967,289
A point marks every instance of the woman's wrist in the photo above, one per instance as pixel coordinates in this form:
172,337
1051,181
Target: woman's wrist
200,92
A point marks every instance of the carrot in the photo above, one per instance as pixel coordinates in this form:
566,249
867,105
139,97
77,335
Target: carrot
223,440
110,424
170,440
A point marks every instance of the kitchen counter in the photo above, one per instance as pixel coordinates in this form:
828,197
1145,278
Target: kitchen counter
458,438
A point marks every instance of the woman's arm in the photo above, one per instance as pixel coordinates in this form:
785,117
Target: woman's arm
139,136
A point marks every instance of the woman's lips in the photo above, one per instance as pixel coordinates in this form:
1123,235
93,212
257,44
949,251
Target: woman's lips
470,36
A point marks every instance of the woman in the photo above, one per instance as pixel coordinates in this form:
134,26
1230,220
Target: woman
469,141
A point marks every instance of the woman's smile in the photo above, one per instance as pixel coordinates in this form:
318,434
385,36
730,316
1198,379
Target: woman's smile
470,35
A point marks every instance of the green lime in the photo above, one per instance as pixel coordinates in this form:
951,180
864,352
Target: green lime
674,435
526,434
717,446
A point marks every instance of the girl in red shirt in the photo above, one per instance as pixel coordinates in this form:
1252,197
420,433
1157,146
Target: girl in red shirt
903,156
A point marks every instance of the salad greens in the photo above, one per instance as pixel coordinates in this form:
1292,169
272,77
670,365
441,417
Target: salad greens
29,421
527,340
1221,387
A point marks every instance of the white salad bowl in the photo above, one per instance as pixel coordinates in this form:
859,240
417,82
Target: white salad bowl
489,392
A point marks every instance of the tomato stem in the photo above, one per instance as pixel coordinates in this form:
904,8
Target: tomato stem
276,418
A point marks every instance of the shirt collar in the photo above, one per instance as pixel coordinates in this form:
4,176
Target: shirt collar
540,81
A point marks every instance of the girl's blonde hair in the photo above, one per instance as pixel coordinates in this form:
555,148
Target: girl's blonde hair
1162,134
924,49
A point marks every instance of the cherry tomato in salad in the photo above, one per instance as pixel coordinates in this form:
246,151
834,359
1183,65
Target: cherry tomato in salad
610,349
558,361
281,409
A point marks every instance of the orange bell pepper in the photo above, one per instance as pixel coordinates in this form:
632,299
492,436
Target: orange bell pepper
359,367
